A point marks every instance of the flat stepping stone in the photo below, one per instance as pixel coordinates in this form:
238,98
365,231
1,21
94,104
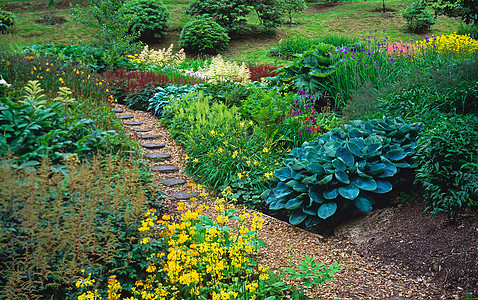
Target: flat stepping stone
173,181
184,195
118,111
133,123
149,136
142,129
157,155
165,168
124,117
153,145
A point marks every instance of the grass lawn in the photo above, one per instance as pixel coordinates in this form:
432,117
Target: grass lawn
318,20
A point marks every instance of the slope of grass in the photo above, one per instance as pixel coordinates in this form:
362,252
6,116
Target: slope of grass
350,18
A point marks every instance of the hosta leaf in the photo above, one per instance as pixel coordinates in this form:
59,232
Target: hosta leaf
279,204
339,164
374,147
296,175
270,198
395,155
363,204
383,187
377,168
325,180
330,194
316,196
342,177
402,165
311,210
326,210
390,169
349,192
355,133
366,184
292,183
282,190
265,194
311,221
346,156
310,179
315,168
293,204
297,216
301,188
282,173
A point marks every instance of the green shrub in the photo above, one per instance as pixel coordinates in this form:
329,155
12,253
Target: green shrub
232,14
471,30
287,49
139,99
88,56
32,130
151,18
54,224
227,92
308,70
203,35
447,157
7,20
343,167
418,18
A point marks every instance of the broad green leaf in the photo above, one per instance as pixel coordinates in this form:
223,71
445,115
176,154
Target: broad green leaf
363,204
326,210
310,179
311,221
280,204
293,204
330,194
342,177
282,190
339,164
383,186
349,192
325,180
282,173
366,184
395,155
316,195
297,216
346,156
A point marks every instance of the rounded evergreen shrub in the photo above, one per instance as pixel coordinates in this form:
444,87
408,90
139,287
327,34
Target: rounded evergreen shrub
203,35
151,18
7,20
418,18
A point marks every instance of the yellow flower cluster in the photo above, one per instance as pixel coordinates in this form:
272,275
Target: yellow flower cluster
222,70
162,57
453,43
204,256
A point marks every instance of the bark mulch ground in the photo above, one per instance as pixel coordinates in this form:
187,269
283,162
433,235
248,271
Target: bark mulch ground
397,252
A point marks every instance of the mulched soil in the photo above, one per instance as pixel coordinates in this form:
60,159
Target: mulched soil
396,252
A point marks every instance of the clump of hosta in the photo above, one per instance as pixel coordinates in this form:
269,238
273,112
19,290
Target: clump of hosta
344,167
162,57
222,70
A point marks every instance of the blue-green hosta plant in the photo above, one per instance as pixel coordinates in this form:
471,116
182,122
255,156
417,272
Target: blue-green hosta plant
164,95
344,167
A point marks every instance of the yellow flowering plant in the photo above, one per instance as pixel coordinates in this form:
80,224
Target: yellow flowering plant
461,45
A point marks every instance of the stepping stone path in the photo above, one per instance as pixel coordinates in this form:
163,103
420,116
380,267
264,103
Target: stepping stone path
141,129
182,195
124,117
149,136
153,145
157,155
165,168
171,183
